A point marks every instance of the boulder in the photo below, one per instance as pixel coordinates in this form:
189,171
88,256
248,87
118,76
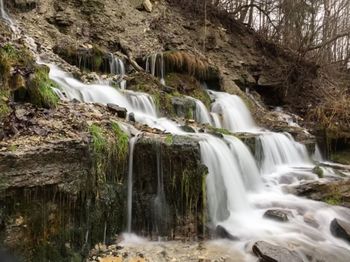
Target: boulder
132,117
278,214
119,111
340,229
271,253
221,232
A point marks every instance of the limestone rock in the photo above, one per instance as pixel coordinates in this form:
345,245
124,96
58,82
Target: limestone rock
268,253
340,229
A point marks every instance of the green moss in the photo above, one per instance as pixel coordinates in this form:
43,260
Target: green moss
342,157
40,89
99,141
318,171
169,139
334,201
122,141
222,131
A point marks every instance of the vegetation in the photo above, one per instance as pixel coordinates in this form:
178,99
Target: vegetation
40,89
169,139
318,171
122,141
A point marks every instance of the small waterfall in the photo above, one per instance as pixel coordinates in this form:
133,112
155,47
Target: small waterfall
225,187
116,67
4,15
160,204
280,149
216,120
155,66
318,155
142,102
202,114
235,114
247,163
132,144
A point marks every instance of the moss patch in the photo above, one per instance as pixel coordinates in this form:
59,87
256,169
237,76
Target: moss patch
342,157
122,141
40,89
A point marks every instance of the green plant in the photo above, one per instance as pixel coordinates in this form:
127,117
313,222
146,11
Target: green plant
169,139
122,141
40,89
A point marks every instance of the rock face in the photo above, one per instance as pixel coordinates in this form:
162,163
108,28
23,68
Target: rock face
271,253
119,111
341,229
169,187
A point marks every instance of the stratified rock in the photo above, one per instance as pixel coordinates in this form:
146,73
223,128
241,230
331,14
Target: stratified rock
221,232
119,111
340,229
271,253
278,214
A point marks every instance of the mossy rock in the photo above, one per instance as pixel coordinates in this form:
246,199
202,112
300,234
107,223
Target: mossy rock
40,92
318,171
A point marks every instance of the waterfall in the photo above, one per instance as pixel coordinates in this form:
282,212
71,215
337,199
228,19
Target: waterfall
201,114
318,155
247,164
132,144
216,120
225,186
159,203
155,66
116,67
142,102
235,115
4,15
280,149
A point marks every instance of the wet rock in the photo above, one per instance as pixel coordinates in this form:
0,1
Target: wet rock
335,191
221,232
188,129
271,253
340,229
278,214
119,111
132,117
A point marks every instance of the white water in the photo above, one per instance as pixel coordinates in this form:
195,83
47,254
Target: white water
201,114
132,144
141,104
4,15
117,67
155,66
280,150
235,115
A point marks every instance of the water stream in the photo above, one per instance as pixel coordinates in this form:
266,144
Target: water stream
239,188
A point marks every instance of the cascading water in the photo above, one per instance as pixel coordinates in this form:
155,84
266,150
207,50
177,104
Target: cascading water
132,144
116,67
201,114
160,207
155,66
225,186
235,115
4,15
281,149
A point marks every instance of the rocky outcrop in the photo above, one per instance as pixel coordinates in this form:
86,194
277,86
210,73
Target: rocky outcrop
334,192
169,187
268,252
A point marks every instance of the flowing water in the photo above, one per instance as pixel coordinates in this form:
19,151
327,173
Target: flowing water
155,66
239,188
117,67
